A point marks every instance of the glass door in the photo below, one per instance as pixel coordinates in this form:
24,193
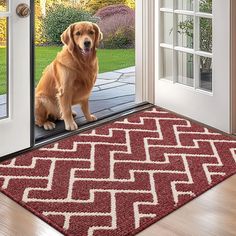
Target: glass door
193,56
15,83
119,84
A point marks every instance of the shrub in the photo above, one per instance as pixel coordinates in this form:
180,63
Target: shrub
39,36
59,17
94,5
3,29
117,22
3,25
118,9
130,3
114,17
123,38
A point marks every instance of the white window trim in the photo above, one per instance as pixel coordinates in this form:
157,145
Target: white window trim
145,50
195,51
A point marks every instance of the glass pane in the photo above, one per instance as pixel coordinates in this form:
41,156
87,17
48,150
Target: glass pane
3,68
167,34
206,73
206,34
185,5
167,64
185,69
185,31
3,5
205,6
167,3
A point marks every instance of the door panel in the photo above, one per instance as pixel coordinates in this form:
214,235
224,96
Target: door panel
15,126
193,75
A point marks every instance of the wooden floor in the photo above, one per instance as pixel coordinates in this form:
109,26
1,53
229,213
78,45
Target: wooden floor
213,213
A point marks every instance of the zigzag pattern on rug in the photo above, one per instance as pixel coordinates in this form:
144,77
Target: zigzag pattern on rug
122,177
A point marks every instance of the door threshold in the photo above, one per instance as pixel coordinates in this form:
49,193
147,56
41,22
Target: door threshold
92,125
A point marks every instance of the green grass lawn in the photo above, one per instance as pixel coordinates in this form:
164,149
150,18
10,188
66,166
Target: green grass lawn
108,60
2,70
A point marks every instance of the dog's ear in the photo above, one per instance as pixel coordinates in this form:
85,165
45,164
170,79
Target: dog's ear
98,35
68,39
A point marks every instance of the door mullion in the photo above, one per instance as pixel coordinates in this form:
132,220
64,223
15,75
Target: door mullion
196,45
175,38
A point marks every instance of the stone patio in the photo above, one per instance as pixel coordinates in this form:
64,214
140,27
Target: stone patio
3,110
114,91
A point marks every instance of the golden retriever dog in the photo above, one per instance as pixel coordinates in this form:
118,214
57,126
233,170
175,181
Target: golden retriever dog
70,78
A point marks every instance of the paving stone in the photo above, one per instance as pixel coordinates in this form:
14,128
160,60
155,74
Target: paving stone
102,81
112,93
111,85
128,78
3,99
109,75
95,89
3,111
126,70
98,105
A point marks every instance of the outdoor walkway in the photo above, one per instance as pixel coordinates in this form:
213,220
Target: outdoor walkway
3,111
113,91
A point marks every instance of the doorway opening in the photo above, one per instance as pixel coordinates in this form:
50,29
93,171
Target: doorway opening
114,90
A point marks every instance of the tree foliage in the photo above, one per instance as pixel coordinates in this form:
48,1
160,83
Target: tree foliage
59,17
117,22
94,5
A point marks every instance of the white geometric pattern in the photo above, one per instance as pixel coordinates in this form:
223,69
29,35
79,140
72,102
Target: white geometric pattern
127,169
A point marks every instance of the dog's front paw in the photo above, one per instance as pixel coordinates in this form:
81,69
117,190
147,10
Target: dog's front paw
74,114
71,126
49,125
91,118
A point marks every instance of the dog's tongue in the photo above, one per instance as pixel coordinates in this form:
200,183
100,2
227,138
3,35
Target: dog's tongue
86,51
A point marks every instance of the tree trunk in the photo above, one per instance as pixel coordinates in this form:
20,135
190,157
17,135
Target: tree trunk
43,7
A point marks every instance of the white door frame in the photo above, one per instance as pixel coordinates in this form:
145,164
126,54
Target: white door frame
233,67
171,98
16,131
145,51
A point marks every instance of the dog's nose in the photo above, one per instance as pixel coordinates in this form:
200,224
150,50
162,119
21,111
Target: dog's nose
87,44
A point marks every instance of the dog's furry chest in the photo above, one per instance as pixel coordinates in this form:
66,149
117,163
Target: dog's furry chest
82,89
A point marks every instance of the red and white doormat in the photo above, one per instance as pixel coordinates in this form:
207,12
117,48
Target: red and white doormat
120,178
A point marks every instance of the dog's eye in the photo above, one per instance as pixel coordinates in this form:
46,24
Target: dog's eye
78,33
91,32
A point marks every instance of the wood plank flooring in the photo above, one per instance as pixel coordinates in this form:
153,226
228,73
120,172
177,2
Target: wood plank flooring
211,214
